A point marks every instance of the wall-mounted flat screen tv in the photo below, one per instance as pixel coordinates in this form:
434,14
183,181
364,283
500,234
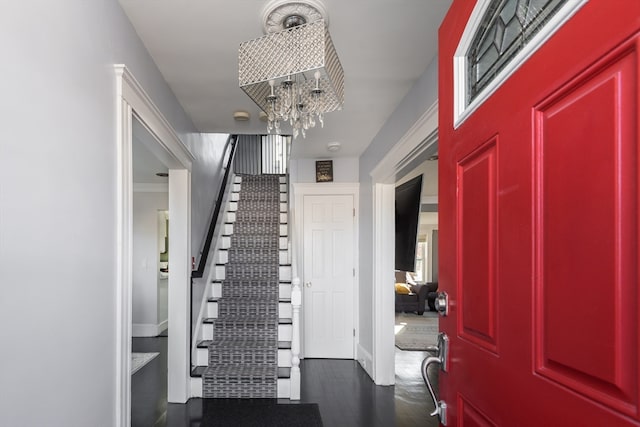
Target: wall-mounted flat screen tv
407,218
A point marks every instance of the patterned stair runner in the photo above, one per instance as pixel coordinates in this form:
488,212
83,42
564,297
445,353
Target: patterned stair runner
243,356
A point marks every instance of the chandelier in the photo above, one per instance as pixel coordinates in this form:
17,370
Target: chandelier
293,72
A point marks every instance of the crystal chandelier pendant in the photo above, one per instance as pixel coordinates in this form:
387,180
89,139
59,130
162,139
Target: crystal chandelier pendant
293,73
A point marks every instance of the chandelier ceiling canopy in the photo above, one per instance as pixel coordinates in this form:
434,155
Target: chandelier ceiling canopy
293,72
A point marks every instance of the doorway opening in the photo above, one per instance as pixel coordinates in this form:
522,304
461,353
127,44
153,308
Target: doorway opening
134,107
418,144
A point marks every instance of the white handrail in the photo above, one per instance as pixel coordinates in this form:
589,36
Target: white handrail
296,302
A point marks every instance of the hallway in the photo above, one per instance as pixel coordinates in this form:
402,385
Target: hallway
344,392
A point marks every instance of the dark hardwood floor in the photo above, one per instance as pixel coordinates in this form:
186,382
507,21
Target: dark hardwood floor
344,392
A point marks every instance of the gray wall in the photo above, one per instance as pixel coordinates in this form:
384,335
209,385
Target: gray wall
206,177
58,204
420,97
345,169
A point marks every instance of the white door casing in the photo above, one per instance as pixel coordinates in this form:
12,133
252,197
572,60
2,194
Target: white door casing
417,139
329,272
132,100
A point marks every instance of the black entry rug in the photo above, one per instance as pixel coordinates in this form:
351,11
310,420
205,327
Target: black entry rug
259,413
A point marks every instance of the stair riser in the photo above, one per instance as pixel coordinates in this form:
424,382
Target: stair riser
285,332
243,357
252,330
283,218
284,273
284,388
223,257
229,229
284,310
284,290
239,389
284,357
238,179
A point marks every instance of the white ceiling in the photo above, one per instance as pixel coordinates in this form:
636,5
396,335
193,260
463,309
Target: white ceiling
145,163
384,46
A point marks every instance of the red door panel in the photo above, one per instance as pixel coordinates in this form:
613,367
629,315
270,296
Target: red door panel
540,230
477,254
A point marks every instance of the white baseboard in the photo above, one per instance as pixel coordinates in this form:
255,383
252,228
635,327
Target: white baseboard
365,360
148,329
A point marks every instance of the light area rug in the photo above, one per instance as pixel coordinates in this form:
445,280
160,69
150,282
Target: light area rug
138,360
414,332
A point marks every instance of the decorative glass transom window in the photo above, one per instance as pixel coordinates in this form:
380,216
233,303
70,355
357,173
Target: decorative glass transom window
505,29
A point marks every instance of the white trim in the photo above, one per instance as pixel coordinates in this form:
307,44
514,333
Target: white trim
365,360
124,251
139,187
297,201
152,118
409,147
421,136
383,270
179,294
132,100
461,111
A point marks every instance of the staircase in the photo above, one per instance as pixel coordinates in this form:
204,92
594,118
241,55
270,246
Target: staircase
245,351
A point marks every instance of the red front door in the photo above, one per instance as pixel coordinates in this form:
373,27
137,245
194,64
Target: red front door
539,229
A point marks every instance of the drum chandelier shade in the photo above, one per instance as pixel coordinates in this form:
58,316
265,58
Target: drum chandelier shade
293,75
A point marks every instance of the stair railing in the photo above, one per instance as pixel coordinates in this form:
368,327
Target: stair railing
230,150
215,220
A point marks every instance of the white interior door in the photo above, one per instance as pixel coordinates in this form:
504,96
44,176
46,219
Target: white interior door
328,223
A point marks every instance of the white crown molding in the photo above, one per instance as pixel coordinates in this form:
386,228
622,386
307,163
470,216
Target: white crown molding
160,128
410,146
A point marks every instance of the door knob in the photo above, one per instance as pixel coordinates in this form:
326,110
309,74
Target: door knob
442,303
308,284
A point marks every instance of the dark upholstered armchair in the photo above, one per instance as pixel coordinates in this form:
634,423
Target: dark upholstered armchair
414,301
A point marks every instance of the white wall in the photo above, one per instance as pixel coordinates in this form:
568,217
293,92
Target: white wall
58,205
420,97
145,299
345,169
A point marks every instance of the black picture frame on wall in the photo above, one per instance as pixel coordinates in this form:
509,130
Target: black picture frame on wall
324,170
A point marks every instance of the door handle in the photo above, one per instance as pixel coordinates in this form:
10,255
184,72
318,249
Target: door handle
441,358
308,284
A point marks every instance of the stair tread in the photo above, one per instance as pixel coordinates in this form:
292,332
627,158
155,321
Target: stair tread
284,372
285,321
198,371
